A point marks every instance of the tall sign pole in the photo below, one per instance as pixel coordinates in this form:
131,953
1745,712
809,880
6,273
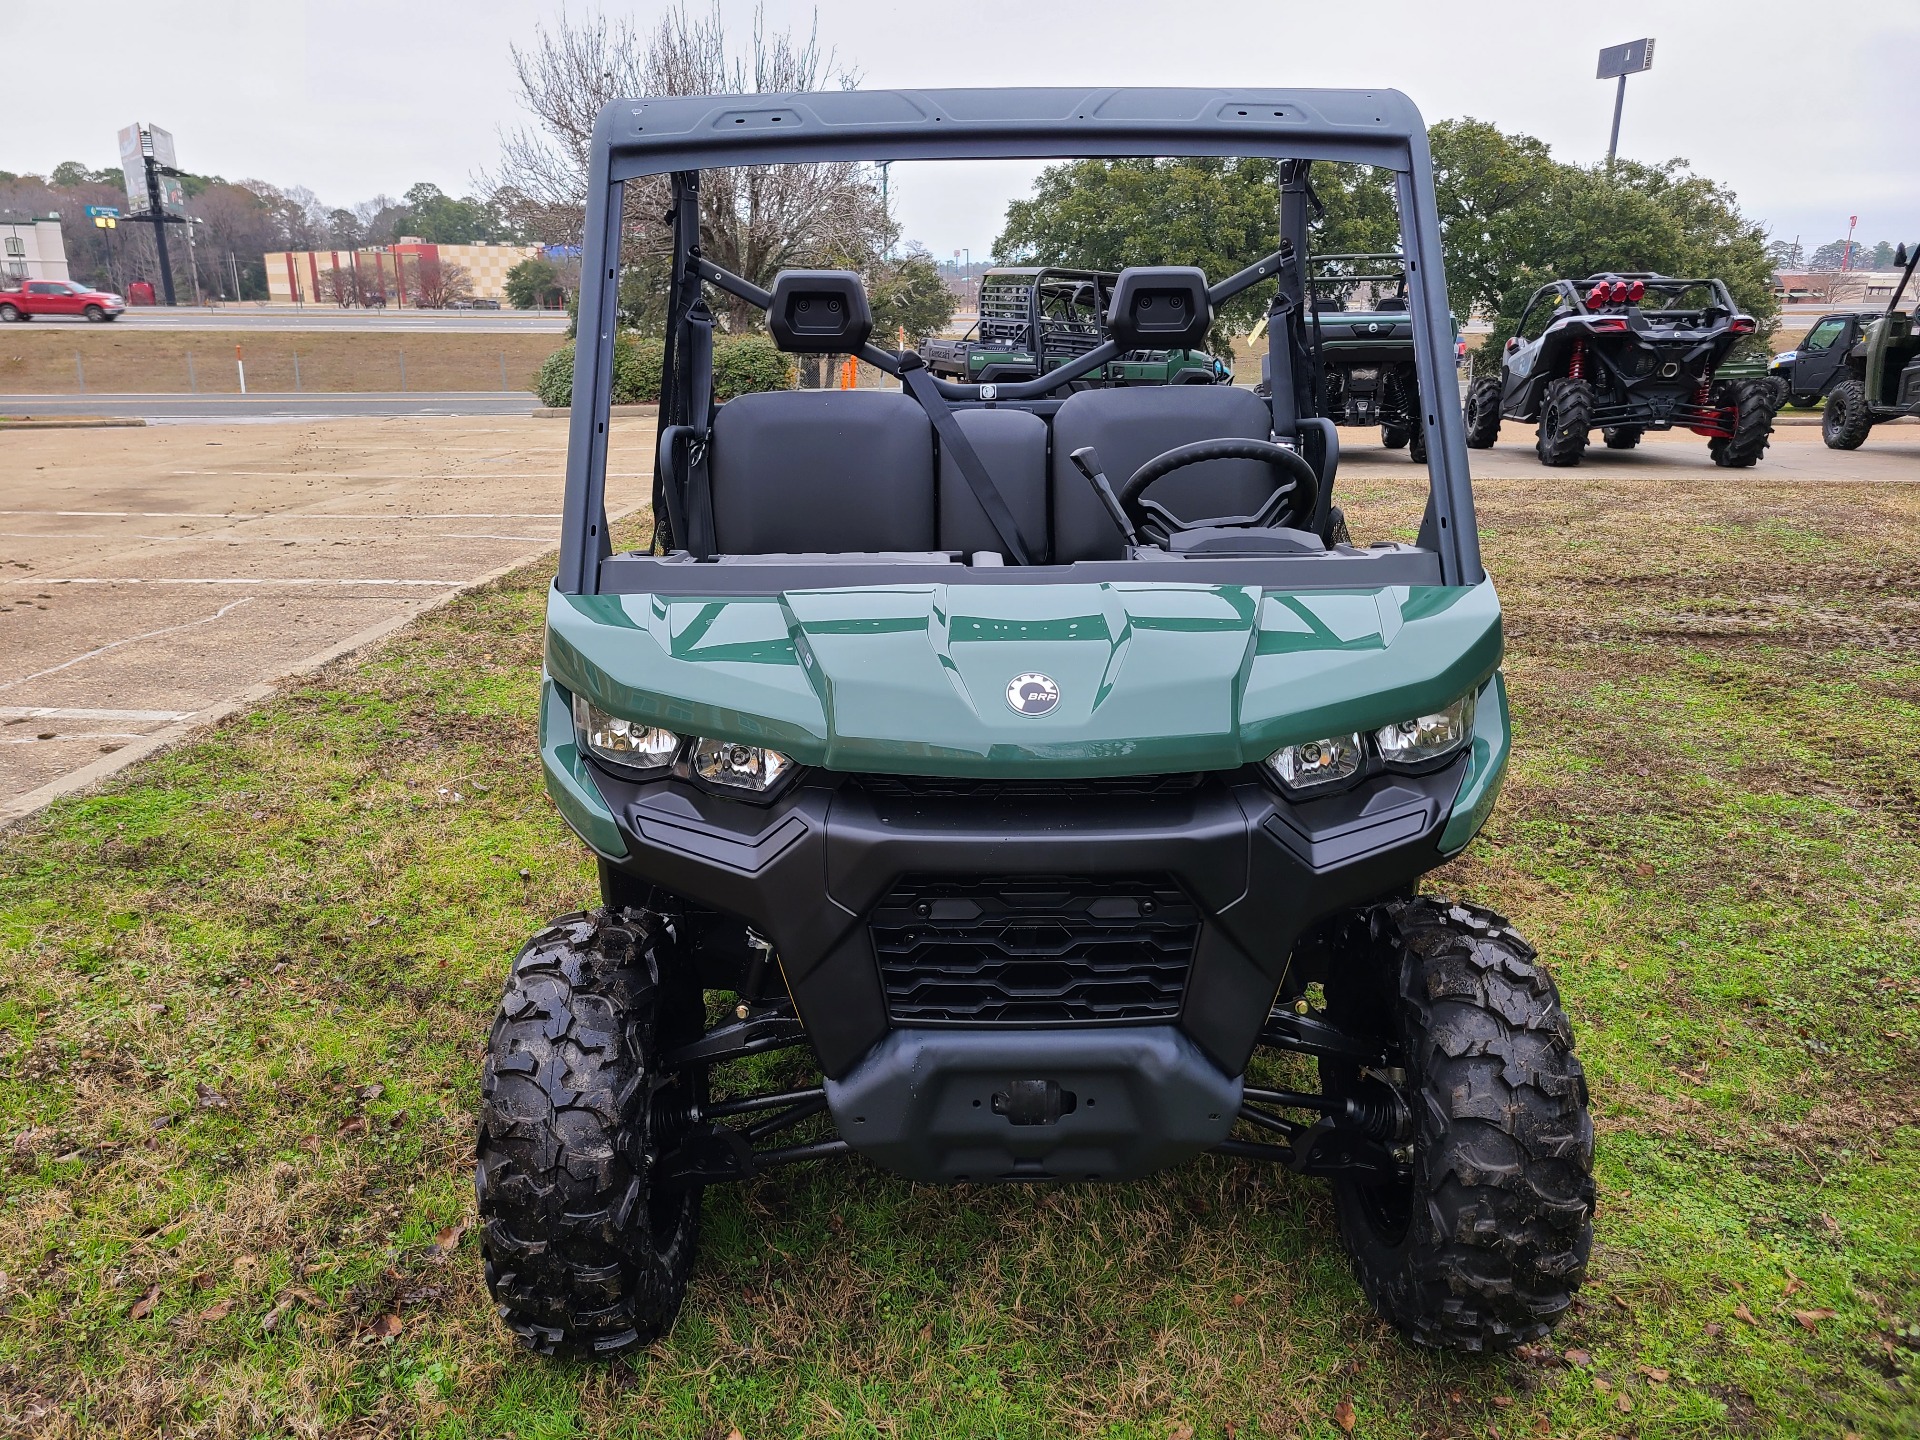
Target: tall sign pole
153,188
1846,255
160,217
1621,61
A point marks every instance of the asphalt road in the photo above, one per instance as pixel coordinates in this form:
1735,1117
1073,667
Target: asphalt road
232,408
321,317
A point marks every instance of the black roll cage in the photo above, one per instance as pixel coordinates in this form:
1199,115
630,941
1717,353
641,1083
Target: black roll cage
683,135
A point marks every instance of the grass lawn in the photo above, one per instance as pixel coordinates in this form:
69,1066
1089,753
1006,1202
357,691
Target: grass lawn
243,993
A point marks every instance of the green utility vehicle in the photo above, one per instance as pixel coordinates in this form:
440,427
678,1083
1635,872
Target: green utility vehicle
1362,347
1066,310
1024,779
1880,376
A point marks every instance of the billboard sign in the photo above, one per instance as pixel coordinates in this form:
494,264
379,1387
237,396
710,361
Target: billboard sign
1628,59
138,141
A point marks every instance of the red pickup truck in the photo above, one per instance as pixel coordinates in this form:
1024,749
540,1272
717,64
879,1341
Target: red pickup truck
58,297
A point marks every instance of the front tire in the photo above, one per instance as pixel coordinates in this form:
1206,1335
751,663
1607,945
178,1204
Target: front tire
1753,404
1847,420
94,314
1417,445
1483,413
1394,437
1566,415
587,1254
1486,1243
1621,437
11,314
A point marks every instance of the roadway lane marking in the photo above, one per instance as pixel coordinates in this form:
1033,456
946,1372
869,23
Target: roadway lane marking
130,640
65,712
289,515
370,475
223,580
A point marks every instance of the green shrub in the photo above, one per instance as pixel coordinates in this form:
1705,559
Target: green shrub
554,381
741,365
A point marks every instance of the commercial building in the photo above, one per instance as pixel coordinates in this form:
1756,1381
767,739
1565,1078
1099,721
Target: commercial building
410,273
31,248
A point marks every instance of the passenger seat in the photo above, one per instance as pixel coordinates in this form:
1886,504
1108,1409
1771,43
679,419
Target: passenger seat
822,471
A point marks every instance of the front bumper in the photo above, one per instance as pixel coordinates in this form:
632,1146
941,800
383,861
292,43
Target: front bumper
809,870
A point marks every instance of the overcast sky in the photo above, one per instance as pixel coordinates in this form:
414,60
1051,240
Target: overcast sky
1810,117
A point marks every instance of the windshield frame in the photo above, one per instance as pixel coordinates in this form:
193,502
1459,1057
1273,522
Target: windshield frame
1383,128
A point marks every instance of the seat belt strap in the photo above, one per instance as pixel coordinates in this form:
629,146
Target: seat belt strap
954,442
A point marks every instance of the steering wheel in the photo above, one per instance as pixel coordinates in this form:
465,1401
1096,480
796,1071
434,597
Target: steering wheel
1296,489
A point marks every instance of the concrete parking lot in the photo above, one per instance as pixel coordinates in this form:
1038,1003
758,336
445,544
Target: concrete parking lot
151,579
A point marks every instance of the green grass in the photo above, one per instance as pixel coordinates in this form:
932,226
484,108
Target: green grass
243,992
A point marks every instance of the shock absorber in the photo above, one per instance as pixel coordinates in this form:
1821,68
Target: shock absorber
1577,361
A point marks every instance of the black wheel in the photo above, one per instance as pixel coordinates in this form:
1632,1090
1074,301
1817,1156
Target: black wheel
1417,445
1621,437
1803,402
1394,437
1847,421
11,313
1337,533
1565,417
1483,1247
1483,413
94,314
1753,405
586,1254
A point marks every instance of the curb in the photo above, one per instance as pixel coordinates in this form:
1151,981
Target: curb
561,412
70,422
23,807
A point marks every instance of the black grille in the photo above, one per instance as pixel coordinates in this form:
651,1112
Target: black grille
935,787
1034,950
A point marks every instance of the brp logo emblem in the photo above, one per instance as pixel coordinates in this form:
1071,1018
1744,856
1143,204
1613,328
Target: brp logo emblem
1373,327
1033,694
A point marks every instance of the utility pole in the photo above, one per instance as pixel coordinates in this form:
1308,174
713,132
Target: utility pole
1846,255
1622,61
193,260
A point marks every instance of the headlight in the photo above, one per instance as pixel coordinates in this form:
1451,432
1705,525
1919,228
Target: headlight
1316,763
737,766
630,744
1427,737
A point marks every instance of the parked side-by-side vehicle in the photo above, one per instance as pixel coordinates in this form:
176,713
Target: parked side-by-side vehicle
1034,783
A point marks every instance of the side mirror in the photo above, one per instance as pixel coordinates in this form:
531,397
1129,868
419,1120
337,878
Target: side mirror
1513,344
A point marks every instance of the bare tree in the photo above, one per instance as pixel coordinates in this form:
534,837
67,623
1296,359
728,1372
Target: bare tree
438,283
754,220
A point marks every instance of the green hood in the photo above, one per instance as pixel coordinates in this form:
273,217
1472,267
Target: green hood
1152,678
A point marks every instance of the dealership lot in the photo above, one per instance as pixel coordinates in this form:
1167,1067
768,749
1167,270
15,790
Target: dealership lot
151,579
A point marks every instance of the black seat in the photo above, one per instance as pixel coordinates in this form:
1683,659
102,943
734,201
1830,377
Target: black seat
838,471
1012,445
1130,427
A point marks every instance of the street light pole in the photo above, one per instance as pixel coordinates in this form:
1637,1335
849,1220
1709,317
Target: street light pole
1619,104
1622,61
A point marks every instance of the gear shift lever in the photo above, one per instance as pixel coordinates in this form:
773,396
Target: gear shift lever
1087,461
